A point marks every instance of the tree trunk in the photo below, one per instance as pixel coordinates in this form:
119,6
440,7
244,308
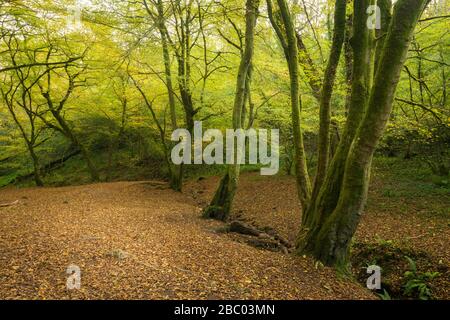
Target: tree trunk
176,172
326,92
332,241
385,11
186,95
36,166
325,199
176,177
348,57
288,39
248,99
166,55
220,207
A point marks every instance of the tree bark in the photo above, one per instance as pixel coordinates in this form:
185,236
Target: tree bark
326,198
175,171
167,70
385,11
326,92
332,242
288,40
36,167
220,207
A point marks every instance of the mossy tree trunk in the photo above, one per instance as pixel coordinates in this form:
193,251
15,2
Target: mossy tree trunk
326,198
340,204
381,34
283,25
221,204
182,50
326,92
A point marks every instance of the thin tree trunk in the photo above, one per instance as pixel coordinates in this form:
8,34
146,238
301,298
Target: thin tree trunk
167,69
36,166
288,39
176,176
309,68
220,207
385,11
326,92
348,57
175,171
247,98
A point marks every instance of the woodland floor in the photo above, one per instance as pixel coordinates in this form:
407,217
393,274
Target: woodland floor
139,240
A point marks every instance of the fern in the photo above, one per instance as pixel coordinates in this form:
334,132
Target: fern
385,295
417,283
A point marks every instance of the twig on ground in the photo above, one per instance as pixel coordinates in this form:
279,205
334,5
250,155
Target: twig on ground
4,205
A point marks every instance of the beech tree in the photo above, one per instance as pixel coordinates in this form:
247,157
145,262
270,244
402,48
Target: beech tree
333,215
156,11
283,25
322,90
222,201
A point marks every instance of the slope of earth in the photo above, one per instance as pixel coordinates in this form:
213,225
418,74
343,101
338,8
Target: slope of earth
138,240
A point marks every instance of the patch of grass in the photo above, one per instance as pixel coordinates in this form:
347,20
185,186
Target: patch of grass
404,186
390,193
409,178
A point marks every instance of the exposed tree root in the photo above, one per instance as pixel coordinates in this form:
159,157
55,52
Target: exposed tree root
266,238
